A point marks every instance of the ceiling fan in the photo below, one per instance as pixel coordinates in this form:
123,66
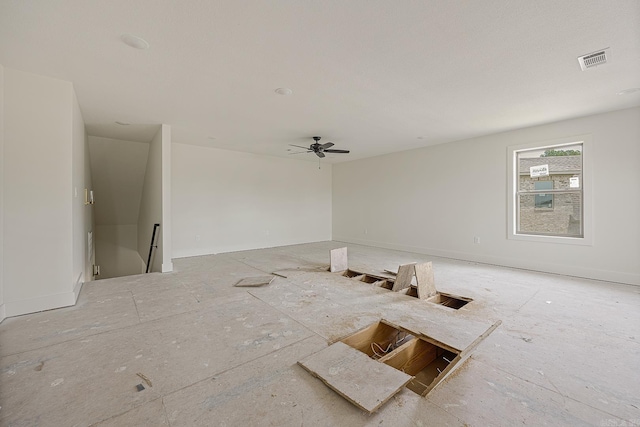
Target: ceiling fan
319,149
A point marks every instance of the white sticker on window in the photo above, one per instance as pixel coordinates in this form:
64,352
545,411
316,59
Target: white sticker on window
574,182
541,170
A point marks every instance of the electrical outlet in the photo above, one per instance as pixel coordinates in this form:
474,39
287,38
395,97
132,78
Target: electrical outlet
366,231
476,240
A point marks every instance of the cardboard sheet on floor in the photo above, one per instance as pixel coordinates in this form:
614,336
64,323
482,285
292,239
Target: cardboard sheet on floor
366,383
252,282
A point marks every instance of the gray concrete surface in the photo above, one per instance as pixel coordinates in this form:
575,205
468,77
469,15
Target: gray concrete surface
567,352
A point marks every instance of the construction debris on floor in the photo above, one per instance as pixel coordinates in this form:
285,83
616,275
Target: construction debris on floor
252,282
365,367
209,347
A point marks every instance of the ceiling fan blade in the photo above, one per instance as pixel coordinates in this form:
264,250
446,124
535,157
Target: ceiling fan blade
304,148
327,145
337,151
319,154
301,152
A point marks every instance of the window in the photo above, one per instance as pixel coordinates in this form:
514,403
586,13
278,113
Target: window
547,192
543,201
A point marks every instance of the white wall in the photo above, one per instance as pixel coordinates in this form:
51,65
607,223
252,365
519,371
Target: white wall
227,201
166,230
37,205
151,204
2,308
82,215
436,199
117,250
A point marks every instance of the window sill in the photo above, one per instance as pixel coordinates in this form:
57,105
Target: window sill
582,241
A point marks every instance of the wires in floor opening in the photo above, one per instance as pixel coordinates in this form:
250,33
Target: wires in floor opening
379,351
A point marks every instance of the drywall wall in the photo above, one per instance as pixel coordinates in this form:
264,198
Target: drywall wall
166,230
82,215
150,211
227,201
435,200
118,170
2,308
117,250
37,204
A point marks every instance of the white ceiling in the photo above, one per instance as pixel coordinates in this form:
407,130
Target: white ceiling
373,76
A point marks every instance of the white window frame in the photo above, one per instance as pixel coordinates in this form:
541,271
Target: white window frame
587,189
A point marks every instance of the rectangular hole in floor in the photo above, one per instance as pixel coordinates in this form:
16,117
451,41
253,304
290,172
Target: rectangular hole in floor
369,279
412,291
377,340
401,350
385,284
448,300
422,360
350,273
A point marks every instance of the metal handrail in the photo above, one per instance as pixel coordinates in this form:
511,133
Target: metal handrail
153,238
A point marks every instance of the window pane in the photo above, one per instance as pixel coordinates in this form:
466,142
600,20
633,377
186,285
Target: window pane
543,201
559,165
565,219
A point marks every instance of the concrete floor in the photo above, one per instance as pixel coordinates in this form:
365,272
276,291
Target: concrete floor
567,352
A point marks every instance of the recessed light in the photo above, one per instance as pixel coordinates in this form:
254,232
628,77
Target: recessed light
123,123
629,91
284,91
135,41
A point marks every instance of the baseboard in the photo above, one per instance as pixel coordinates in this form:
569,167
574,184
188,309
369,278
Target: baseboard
3,314
76,291
167,267
565,270
33,305
230,249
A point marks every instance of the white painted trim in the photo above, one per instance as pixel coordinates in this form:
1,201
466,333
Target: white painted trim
587,183
228,250
167,267
34,305
566,270
76,290
165,144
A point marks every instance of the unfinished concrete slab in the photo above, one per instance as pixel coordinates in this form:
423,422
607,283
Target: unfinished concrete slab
553,363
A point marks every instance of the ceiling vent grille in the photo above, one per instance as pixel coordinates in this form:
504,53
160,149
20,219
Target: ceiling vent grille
593,59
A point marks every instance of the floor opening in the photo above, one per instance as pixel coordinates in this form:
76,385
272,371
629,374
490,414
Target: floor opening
448,300
400,349
351,273
377,340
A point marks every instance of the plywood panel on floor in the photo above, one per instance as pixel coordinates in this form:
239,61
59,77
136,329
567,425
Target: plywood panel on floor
366,383
172,353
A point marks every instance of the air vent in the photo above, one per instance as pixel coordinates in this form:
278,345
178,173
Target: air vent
593,59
